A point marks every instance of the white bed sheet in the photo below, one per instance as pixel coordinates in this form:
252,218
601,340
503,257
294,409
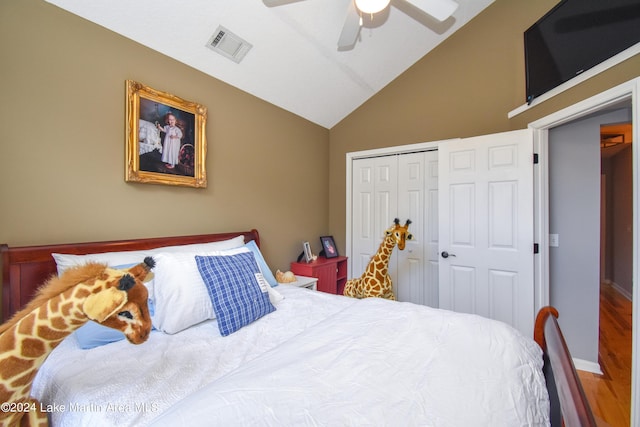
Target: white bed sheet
121,384
382,363
413,366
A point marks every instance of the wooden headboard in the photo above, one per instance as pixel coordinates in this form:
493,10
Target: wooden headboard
25,268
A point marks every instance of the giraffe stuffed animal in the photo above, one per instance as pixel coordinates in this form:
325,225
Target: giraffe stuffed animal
375,281
114,298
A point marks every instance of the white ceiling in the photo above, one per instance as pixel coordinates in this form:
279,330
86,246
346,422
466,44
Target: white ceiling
294,63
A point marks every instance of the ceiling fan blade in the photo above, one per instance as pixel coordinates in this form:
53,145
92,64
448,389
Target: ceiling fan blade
439,9
351,27
273,3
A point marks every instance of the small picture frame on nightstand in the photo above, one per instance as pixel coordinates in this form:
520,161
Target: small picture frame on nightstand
329,246
308,256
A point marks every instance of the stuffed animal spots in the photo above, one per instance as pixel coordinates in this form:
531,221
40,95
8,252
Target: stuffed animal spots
375,281
114,298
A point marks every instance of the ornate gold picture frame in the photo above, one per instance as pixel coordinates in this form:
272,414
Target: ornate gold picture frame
166,141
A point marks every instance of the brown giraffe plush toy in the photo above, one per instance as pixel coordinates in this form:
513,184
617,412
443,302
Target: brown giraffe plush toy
375,281
114,298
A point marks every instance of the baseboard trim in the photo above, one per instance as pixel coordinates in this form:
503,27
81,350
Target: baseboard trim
585,365
622,291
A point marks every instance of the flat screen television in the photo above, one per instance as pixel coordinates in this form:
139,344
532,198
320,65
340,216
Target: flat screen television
575,36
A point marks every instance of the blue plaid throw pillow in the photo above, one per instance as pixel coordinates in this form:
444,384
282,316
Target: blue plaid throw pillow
236,288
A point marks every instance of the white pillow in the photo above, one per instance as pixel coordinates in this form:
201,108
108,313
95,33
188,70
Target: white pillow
180,295
64,261
274,296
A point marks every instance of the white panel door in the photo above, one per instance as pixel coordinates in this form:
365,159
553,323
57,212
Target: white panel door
410,283
398,186
374,207
486,227
431,254
417,278
362,202
386,195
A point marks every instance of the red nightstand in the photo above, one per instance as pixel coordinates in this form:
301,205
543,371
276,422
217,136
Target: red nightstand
330,272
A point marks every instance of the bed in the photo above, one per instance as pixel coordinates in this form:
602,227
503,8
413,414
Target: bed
149,137
314,359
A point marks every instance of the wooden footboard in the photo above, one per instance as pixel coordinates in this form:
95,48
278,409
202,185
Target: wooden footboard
24,269
564,386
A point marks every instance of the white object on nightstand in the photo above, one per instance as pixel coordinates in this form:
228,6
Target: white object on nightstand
304,282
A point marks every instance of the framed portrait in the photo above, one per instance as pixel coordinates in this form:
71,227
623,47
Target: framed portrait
308,255
329,246
165,138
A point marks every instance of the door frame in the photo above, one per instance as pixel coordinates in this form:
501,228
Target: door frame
623,93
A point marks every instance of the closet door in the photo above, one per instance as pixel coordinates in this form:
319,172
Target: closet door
431,239
374,207
417,279
400,186
411,203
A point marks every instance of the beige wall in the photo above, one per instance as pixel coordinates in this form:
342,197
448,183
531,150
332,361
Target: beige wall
464,87
62,85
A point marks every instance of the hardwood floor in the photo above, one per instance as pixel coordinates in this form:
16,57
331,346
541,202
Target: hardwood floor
609,394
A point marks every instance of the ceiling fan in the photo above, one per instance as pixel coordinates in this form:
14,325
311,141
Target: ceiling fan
438,9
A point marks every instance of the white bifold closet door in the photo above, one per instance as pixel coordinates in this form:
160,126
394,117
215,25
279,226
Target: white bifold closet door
405,187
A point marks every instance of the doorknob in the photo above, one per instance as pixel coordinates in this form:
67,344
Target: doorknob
446,254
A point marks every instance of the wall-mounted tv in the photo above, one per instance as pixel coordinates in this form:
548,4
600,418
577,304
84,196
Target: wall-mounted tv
575,36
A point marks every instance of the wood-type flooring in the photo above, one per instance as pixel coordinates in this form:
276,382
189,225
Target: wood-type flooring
609,394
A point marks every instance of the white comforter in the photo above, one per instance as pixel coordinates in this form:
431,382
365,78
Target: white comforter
318,360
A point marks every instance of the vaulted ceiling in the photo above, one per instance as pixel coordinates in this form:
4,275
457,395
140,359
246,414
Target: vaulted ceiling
294,61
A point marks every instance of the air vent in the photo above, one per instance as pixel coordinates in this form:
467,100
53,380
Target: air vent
228,44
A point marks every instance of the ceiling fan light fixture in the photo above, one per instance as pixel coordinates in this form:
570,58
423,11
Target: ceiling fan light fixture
371,6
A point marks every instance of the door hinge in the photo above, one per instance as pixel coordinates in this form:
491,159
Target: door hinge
535,158
536,248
